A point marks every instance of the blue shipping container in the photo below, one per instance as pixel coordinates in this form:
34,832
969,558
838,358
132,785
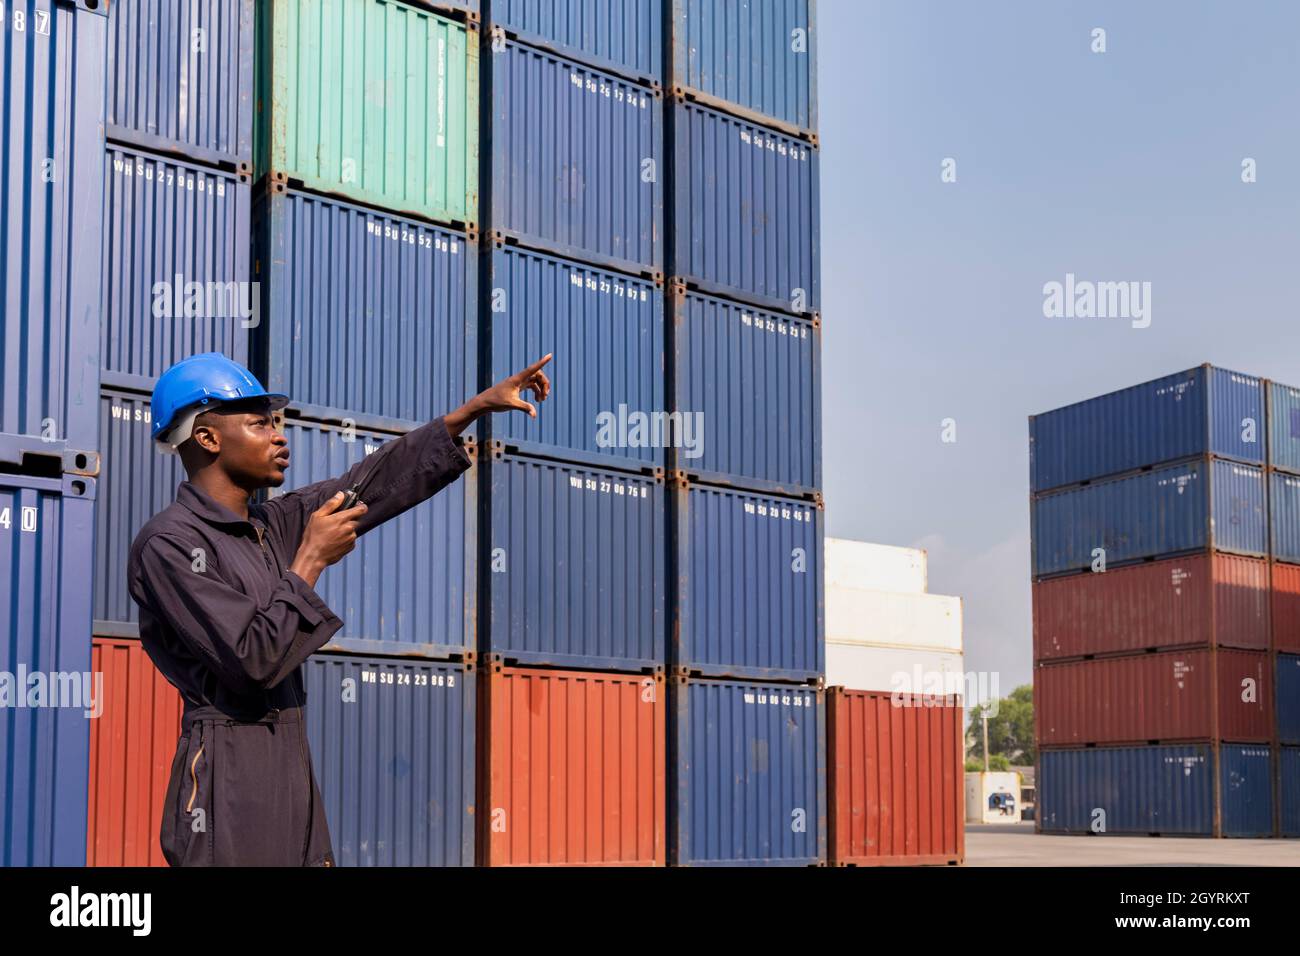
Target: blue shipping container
757,58
175,259
747,384
1196,505
1284,427
180,78
408,587
1284,513
1288,698
392,746
136,482
1245,791
47,527
747,211
747,774
1203,410
51,203
366,314
1289,789
577,160
573,565
606,331
621,36
750,583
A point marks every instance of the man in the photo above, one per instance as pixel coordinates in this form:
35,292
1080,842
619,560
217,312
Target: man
228,607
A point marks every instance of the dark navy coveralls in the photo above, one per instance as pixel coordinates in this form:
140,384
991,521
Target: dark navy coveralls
226,622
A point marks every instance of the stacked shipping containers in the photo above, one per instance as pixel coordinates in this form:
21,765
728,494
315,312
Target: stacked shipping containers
1154,642
1284,607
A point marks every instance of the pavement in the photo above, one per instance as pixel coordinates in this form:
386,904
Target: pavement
1016,844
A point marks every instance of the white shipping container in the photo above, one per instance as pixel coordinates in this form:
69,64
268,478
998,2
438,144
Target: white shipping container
901,669
874,567
857,616
981,787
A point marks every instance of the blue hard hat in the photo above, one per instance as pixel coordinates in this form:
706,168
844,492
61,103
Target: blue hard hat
207,380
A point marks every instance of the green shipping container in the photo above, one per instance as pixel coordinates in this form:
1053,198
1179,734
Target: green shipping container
372,100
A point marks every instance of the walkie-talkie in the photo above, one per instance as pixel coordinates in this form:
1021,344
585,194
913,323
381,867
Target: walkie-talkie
350,497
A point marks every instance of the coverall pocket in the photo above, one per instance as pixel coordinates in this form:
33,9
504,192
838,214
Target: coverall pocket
186,830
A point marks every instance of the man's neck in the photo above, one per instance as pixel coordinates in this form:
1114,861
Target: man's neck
223,491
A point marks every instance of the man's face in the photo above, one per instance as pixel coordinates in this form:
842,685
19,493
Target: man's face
246,443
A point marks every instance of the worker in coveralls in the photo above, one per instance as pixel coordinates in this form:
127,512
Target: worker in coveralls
228,607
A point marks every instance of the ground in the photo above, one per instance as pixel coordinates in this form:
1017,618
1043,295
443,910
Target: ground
1018,845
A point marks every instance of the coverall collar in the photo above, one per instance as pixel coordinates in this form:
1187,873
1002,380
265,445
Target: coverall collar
209,509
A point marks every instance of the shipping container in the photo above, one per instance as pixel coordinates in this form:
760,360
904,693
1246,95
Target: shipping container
748,574
573,564
875,567
757,58
859,616
1284,511
1289,790
577,156
894,785
47,529
1202,411
366,315
1192,506
1214,600
619,36
1285,616
748,383
904,670
987,794
51,202
1288,698
747,211
409,586
1195,694
374,100
136,482
1156,790
747,774
574,769
132,745
393,747
1284,427
175,260
180,78
606,331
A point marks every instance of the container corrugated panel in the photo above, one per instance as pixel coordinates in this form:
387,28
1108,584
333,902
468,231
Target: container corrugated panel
1179,508
1245,791
757,57
747,213
1286,608
607,333
862,616
1284,510
575,768
1284,427
374,100
752,380
51,203
132,745
1289,790
1288,698
623,36
880,567
1203,599
136,482
577,160
1174,695
392,746
574,564
366,314
1166,790
895,779
180,78
408,587
747,774
903,669
1201,411
176,265
749,585
47,528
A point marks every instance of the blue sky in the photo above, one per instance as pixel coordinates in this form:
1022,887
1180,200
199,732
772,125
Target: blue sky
1115,166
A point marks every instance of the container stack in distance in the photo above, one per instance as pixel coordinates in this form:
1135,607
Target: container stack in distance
1158,688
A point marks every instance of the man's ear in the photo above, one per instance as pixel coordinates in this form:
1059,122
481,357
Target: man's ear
206,436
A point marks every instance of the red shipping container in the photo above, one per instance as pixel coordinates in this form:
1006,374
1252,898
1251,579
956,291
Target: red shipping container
1164,697
132,744
1286,608
1203,600
895,778
575,765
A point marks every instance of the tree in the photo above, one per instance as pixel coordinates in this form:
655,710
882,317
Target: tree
997,762
1011,729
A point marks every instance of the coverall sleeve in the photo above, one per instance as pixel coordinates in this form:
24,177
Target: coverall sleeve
395,478
249,646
